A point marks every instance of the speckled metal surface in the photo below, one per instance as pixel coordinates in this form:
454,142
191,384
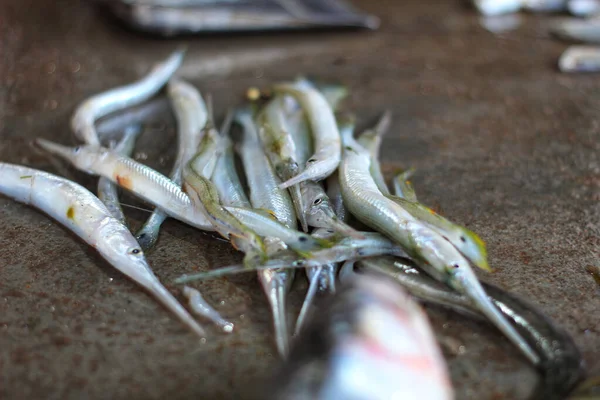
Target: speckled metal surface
502,143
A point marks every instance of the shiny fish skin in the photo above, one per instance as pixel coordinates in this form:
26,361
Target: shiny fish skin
161,192
226,179
141,180
266,225
107,191
326,157
191,114
318,211
122,97
204,196
85,215
371,140
261,177
373,244
465,240
265,194
200,307
435,254
279,146
369,341
580,59
560,360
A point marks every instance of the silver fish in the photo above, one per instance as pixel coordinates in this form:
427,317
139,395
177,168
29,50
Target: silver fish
434,253
371,245
580,59
191,114
265,193
85,215
122,97
326,157
200,307
138,178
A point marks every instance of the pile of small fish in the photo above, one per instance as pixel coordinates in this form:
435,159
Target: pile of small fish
304,169
585,28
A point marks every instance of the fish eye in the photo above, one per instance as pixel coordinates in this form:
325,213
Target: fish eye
317,201
77,149
455,265
303,238
312,160
135,251
463,239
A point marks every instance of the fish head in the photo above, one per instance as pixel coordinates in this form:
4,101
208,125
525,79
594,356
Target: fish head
82,157
121,249
320,214
471,245
447,263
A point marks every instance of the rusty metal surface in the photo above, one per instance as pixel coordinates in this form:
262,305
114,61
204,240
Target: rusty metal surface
502,143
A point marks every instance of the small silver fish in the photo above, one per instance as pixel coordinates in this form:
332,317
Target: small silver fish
580,59
85,215
122,97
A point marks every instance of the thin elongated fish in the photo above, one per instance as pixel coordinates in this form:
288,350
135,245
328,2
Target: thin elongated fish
560,360
434,253
161,192
122,97
204,194
580,59
85,215
321,278
265,193
107,191
326,157
584,8
465,240
371,140
462,238
309,197
369,341
371,245
138,178
279,147
581,30
226,179
191,115
200,307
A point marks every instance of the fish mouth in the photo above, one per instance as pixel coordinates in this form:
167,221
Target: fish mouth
329,220
55,148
